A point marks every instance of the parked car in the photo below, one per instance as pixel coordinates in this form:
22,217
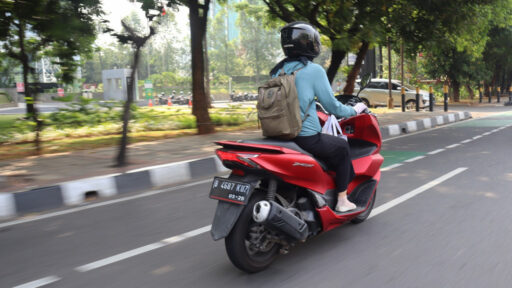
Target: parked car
377,94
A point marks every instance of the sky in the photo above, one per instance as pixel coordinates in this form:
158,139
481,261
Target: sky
115,10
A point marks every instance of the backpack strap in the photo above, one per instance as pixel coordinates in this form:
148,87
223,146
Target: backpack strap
281,73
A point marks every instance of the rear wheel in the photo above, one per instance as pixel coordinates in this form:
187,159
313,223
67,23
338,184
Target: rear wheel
249,244
361,217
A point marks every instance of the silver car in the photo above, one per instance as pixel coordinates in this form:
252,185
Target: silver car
377,94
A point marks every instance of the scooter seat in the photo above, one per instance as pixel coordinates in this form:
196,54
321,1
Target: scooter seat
286,144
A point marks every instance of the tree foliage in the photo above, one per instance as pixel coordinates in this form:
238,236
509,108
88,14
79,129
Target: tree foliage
60,29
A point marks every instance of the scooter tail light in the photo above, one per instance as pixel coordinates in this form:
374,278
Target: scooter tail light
242,158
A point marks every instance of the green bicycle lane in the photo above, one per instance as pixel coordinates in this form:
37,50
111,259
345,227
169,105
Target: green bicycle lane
433,141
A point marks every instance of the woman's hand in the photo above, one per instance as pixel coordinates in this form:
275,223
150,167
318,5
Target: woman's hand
360,108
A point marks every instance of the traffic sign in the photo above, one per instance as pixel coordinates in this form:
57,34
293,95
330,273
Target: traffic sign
60,92
20,87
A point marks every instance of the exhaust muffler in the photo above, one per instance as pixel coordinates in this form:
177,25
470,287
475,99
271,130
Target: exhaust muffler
277,218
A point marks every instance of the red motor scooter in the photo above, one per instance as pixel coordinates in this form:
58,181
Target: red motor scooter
278,194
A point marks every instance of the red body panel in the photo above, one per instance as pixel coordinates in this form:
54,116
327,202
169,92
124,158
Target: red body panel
302,170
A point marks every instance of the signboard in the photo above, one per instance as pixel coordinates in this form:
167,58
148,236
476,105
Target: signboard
20,87
148,89
60,92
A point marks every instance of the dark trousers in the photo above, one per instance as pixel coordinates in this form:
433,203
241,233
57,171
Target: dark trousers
334,151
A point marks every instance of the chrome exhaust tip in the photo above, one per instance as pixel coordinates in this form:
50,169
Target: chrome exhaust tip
260,211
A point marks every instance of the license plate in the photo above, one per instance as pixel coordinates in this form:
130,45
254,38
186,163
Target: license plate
231,191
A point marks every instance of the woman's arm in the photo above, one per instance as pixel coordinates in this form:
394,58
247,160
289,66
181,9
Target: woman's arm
325,96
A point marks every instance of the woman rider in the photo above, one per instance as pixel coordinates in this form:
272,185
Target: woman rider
301,44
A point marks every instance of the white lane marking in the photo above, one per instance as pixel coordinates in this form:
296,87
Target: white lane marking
189,234
476,137
466,141
486,133
100,204
436,151
452,146
417,191
39,282
142,250
119,257
391,167
414,159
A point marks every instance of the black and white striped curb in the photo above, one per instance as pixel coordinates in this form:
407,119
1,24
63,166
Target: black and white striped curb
422,124
75,192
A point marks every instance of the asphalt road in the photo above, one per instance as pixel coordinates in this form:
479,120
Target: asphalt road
441,219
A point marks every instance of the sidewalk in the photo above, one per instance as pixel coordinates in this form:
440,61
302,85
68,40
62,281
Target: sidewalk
46,182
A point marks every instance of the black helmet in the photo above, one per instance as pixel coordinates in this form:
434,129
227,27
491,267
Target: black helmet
300,39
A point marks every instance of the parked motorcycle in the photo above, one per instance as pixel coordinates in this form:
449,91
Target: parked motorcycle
278,195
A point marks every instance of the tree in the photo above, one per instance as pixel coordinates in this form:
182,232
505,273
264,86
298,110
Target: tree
198,16
61,29
497,58
7,68
453,42
137,37
345,23
222,50
261,45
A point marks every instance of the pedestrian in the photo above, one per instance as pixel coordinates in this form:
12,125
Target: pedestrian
301,44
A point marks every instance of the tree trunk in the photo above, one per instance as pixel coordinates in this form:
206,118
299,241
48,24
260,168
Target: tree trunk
30,93
121,156
207,72
352,76
381,64
470,91
336,58
456,91
197,31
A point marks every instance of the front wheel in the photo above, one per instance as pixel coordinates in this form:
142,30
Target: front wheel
249,244
410,105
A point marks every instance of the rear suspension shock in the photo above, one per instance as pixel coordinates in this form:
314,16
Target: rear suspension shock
272,187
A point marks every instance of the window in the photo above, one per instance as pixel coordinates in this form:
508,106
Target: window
374,85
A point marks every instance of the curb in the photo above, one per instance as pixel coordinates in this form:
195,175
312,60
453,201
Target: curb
76,192
422,124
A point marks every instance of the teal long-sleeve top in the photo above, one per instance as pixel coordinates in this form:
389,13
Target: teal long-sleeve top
312,81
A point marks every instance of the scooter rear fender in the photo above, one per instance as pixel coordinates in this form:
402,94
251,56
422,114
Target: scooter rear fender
227,213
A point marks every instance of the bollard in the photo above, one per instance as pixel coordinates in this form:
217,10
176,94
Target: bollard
499,92
430,99
510,94
417,99
489,90
445,94
403,99
479,94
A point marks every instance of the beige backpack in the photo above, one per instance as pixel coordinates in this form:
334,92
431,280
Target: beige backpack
278,107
